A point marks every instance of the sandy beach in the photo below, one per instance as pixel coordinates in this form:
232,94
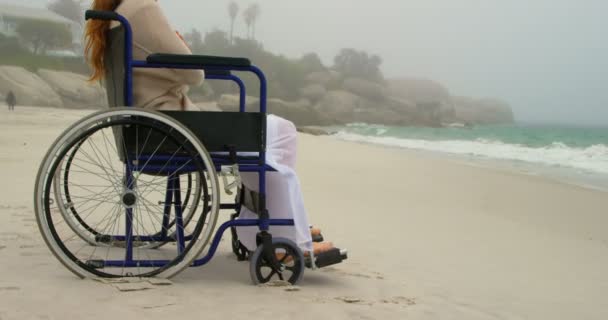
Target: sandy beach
428,238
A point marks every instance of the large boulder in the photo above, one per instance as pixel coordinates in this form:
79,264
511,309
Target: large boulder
299,112
339,106
313,92
315,131
323,78
230,102
418,90
481,111
381,115
401,105
364,88
28,87
75,90
428,101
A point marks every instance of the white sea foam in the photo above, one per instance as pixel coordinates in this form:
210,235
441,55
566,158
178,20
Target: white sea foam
590,159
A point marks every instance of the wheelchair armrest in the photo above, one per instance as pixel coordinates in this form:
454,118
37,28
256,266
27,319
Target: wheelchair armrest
220,73
204,61
101,15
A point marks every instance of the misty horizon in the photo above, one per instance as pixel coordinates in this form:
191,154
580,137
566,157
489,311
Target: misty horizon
544,58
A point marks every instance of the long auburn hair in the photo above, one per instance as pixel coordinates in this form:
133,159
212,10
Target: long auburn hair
95,38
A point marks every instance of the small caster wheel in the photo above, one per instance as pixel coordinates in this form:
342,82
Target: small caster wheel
289,263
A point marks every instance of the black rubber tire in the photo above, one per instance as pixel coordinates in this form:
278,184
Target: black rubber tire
84,260
284,246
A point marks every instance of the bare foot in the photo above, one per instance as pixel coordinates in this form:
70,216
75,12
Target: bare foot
315,231
320,247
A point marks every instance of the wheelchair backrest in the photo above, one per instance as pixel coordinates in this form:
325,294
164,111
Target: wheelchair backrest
114,61
218,131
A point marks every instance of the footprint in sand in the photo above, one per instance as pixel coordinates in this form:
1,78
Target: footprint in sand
32,254
22,214
11,207
372,275
398,300
9,236
351,300
9,288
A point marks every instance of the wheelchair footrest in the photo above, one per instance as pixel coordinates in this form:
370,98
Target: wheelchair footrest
328,258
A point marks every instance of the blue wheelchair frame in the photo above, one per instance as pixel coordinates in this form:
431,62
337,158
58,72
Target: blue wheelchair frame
259,165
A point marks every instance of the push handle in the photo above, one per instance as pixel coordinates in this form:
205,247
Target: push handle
101,15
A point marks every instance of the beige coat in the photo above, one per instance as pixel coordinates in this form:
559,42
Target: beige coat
157,88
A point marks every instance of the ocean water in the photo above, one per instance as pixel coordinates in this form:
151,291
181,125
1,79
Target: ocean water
576,154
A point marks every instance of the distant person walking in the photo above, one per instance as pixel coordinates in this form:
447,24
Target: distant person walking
11,100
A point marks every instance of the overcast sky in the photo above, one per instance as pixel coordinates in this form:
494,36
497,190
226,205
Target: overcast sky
547,58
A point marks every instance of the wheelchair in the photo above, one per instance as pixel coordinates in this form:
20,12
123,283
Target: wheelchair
128,192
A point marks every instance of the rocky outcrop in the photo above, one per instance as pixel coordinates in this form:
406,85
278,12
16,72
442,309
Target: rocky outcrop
230,102
367,89
418,90
299,112
398,102
481,111
28,87
326,99
315,131
339,106
313,92
435,106
323,78
75,90
381,116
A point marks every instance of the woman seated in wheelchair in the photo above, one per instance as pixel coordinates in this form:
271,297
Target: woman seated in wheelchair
166,89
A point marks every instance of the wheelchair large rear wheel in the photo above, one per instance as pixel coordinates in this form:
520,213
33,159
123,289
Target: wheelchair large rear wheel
124,183
65,202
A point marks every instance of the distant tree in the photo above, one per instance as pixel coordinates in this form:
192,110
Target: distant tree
194,38
44,35
217,42
246,48
355,63
70,9
248,18
251,15
233,11
255,12
9,45
311,62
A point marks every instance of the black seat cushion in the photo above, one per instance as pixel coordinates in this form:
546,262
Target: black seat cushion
218,131
209,61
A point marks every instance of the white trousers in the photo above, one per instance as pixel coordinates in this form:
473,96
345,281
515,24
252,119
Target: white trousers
283,195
